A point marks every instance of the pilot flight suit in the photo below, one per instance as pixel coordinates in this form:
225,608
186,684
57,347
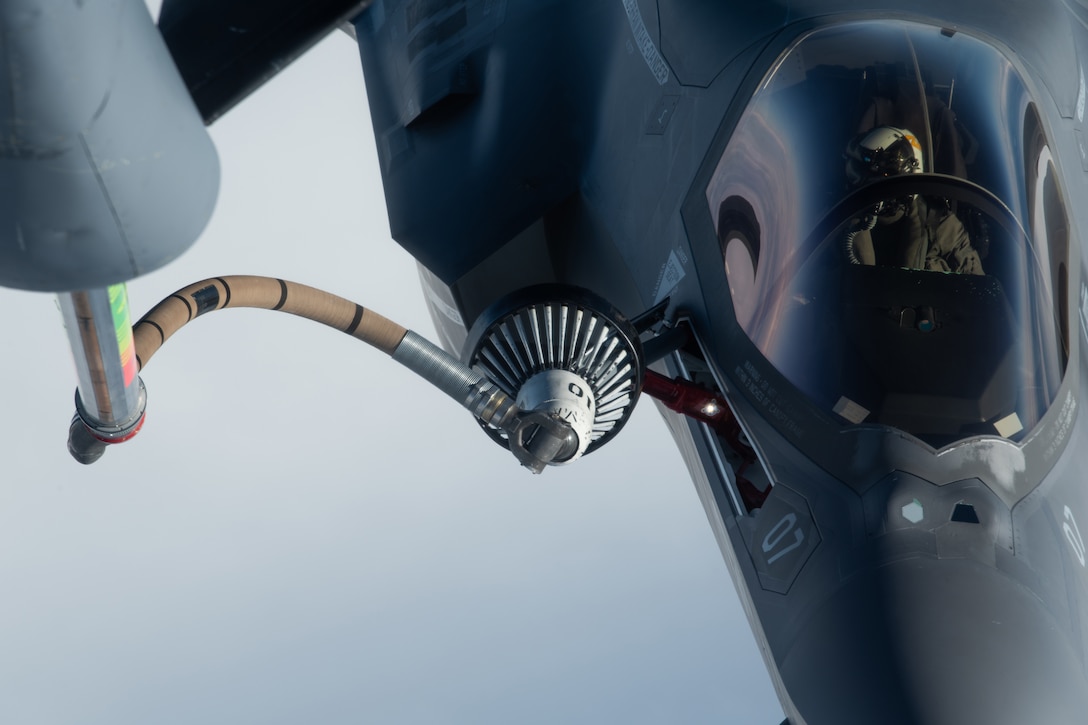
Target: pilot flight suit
918,236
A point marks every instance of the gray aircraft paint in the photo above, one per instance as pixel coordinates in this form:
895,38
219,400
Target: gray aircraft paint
110,171
886,579
809,539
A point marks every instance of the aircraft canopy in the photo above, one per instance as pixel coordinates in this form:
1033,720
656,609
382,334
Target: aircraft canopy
894,233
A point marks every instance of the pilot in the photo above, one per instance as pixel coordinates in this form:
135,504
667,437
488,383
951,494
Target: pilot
908,231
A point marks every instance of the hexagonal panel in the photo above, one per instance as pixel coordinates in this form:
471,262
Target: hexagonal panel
913,512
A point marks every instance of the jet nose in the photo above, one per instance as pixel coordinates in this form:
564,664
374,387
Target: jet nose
930,641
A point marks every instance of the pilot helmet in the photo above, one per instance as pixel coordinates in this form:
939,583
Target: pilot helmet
879,153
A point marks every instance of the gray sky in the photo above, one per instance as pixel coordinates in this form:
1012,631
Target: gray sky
303,532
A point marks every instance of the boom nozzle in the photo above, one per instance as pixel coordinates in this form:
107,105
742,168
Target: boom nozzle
111,398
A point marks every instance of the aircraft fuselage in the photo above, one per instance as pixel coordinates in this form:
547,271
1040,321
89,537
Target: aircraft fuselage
918,555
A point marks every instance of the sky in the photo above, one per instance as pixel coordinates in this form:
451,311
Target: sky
304,531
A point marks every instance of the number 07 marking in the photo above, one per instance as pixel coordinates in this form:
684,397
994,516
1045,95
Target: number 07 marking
778,535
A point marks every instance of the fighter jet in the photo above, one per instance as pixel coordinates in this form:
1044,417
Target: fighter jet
838,243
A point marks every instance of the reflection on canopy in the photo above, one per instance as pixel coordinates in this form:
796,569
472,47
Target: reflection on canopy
893,233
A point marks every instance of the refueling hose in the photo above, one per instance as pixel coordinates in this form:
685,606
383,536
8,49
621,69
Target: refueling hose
535,439
265,293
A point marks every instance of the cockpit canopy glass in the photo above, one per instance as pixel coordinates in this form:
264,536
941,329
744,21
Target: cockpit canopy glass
893,232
